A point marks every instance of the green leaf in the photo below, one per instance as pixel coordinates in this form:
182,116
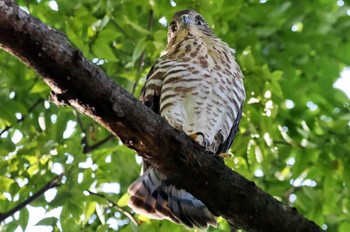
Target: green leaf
99,211
103,48
89,210
123,201
6,147
39,87
5,183
247,60
136,27
139,48
23,218
102,228
68,223
60,199
344,227
50,221
11,227
101,24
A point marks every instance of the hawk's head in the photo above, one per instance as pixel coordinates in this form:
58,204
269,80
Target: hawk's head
187,23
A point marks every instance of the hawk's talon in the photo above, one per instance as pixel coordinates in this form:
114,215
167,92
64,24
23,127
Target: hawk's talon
206,143
226,155
193,136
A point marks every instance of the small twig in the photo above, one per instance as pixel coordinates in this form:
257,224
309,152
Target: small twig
23,117
122,31
96,145
84,140
53,183
150,20
289,192
86,147
276,142
40,100
79,121
142,57
126,213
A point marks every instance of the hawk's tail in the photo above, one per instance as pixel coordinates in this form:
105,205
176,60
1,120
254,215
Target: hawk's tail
151,196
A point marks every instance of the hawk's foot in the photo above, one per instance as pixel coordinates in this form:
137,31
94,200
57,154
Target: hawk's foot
226,155
196,137
193,136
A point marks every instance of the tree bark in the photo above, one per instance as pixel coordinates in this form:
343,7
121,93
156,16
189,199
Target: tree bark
77,82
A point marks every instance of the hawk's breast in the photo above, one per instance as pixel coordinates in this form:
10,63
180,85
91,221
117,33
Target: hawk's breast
200,87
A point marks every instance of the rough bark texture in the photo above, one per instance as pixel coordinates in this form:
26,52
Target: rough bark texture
77,82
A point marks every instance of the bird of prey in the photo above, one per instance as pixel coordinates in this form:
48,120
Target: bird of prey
197,86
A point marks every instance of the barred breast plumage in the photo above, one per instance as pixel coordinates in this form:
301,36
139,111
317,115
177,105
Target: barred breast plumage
196,93
198,87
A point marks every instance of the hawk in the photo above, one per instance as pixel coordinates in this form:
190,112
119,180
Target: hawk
197,86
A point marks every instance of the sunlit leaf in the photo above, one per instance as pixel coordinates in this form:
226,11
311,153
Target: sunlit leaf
39,87
5,183
123,201
89,210
99,211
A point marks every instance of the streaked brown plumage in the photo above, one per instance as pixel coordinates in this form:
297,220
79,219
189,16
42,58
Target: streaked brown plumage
198,87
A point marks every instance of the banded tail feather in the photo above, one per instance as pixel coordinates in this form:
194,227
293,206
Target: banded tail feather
152,196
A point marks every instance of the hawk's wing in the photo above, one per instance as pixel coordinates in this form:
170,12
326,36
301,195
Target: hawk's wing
153,101
225,146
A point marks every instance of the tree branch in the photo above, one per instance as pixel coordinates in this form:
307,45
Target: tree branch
120,209
90,148
77,82
53,183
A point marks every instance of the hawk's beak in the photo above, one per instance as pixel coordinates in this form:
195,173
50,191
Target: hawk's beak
185,20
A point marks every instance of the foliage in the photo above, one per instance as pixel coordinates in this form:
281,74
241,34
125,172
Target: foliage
295,135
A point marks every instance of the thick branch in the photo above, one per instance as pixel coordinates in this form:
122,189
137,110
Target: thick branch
77,82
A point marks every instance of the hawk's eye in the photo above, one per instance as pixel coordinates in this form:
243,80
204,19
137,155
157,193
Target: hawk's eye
199,22
173,26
